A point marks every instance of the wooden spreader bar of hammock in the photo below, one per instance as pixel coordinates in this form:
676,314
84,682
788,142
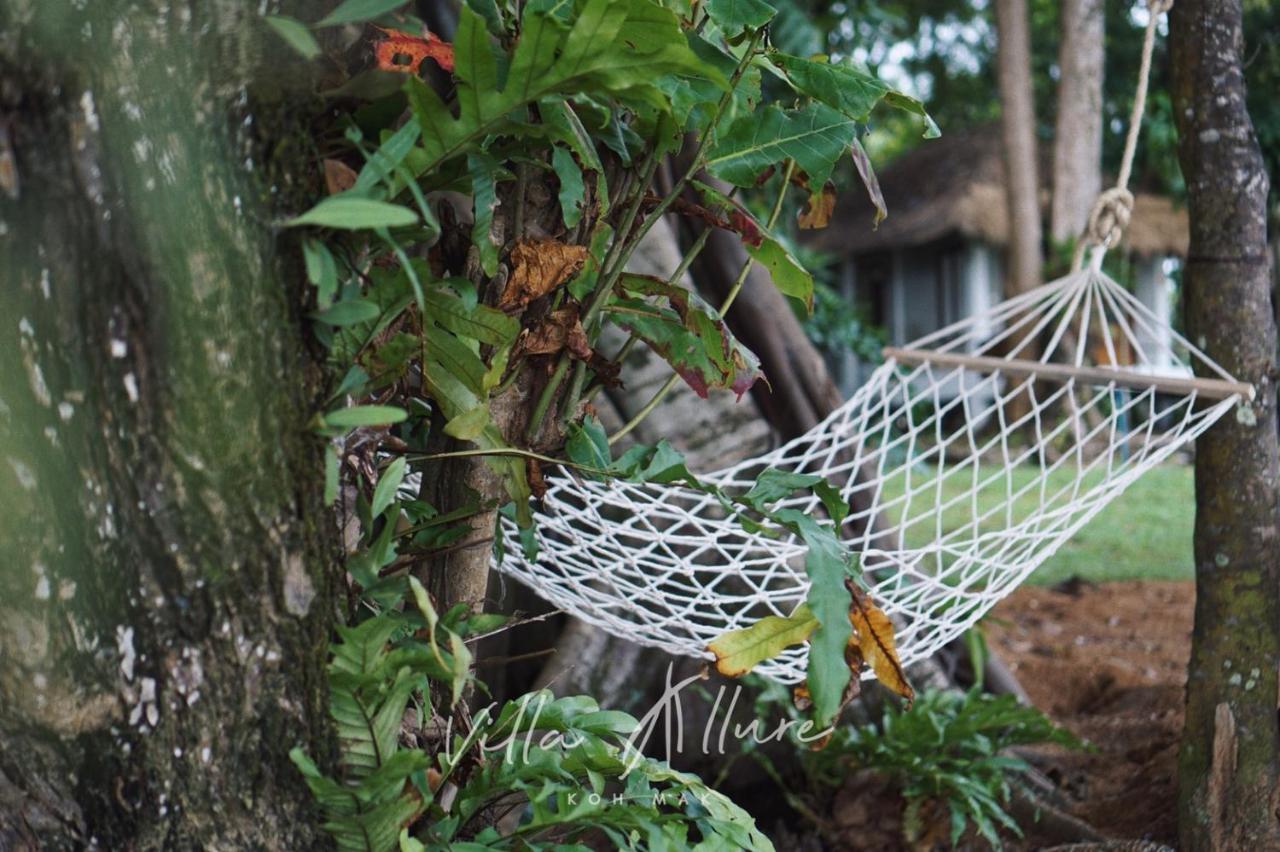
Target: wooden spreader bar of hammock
1208,388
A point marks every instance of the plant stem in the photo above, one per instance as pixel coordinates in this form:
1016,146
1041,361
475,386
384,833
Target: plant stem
732,295
540,408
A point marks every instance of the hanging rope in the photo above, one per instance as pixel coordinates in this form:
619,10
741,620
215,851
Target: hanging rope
1114,207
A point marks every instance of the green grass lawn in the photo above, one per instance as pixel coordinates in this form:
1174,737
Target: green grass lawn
1144,533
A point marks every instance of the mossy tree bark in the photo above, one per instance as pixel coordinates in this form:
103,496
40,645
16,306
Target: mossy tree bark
1229,764
164,602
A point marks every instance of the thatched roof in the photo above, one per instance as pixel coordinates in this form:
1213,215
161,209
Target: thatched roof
955,185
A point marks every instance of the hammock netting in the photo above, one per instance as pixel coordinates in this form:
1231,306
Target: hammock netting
967,459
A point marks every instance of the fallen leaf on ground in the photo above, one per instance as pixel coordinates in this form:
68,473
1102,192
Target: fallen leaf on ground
537,268
398,43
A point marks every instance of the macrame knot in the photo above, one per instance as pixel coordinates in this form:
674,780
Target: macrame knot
1109,217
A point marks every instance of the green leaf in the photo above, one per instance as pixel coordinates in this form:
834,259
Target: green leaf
688,333
354,11
484,192
738,651
468,425
588,445
349,312
453,355
815,136
559,118
851,90
788,275
322,271
910,104
296,34
365,415
572,189
610,46
384,493
734,16
481,323
829,600
351,212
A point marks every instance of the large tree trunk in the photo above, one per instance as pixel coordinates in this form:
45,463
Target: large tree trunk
1018,129
164,560
1229,764
1077,135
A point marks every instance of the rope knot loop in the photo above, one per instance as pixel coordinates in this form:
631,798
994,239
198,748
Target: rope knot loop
1109,217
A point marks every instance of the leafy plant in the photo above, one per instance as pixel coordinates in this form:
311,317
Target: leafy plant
949,747
459,306
563,766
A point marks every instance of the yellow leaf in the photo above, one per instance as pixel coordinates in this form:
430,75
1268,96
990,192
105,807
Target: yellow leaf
738,651
874,633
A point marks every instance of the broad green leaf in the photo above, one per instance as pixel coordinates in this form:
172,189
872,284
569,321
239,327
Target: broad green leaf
564,125
738,651
349,312
688,333
455,356
588,445
734,16
468,425
351,212
480,323
851,90
815,136
572,190
484,192
611,46
365,415
788,275
354,11
384,493
296,34
772,485
829,600
910,104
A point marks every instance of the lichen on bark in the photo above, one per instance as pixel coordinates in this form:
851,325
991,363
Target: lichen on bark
161,513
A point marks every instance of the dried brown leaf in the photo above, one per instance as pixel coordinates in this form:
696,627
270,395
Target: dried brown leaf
537,268
874,634
817,210
338,176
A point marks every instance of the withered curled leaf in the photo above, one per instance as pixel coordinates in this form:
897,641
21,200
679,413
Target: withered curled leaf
537,268
818,208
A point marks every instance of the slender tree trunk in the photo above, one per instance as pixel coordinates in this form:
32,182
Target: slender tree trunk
1229,764
1018,128
164,557
1077,136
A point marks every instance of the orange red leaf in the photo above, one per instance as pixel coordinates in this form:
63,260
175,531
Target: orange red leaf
400,45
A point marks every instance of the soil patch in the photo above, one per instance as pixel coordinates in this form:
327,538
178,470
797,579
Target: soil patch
1108,661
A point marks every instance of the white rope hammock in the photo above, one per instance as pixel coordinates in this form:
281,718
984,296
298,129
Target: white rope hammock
967,458
974,500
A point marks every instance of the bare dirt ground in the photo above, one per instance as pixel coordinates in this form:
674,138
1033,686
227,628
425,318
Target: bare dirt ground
1108,662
